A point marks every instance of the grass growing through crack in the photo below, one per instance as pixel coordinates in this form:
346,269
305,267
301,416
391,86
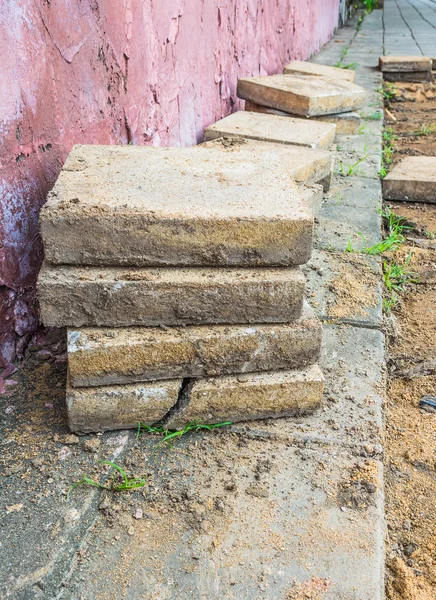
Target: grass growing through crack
395,275
387,91
126,484
348,170
376,116
396,228
170,435
395,278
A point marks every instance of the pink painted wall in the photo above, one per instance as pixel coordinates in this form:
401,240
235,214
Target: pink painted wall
119,71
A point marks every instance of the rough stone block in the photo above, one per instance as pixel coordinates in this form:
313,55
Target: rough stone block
121,406
302,95
213,204
308,68
253,396
412,180
121,297
110,356
272,128
404,64
347,123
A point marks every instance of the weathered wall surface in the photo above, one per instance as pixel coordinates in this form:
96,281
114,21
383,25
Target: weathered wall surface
119,71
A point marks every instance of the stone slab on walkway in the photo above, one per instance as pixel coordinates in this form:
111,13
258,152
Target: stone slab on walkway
120,406
404,64
308,68
213,204
273,128
264,520
302,95
100,356
412,180
121,297
346,123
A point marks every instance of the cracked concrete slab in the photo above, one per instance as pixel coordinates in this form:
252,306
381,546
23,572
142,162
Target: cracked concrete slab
250,396
99,356
111,407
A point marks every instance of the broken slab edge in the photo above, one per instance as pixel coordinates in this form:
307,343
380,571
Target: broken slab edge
250,397
119,407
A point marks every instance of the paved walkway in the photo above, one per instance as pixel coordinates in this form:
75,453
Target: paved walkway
409,27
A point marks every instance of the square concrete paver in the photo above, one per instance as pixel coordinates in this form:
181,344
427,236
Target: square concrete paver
273,128
121,297
412,180
302,95
404,64
312,523
217,204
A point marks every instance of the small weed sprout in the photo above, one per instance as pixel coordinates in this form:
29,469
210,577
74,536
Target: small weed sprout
126,484
348,170
376,116
171,434
395,278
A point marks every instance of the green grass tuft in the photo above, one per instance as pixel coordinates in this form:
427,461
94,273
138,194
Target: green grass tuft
125,485
171,434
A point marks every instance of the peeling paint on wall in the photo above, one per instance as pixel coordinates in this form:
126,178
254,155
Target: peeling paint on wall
131,71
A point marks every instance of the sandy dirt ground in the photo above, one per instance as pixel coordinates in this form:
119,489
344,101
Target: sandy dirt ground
411,431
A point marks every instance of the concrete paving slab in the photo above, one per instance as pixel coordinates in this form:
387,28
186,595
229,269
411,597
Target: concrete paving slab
312,524
308,68
302,95
249,396
338,228
99,356
120,406
404,64
412,180
364,144
273,128
346,123
358,192
80,297
214,204
345,288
